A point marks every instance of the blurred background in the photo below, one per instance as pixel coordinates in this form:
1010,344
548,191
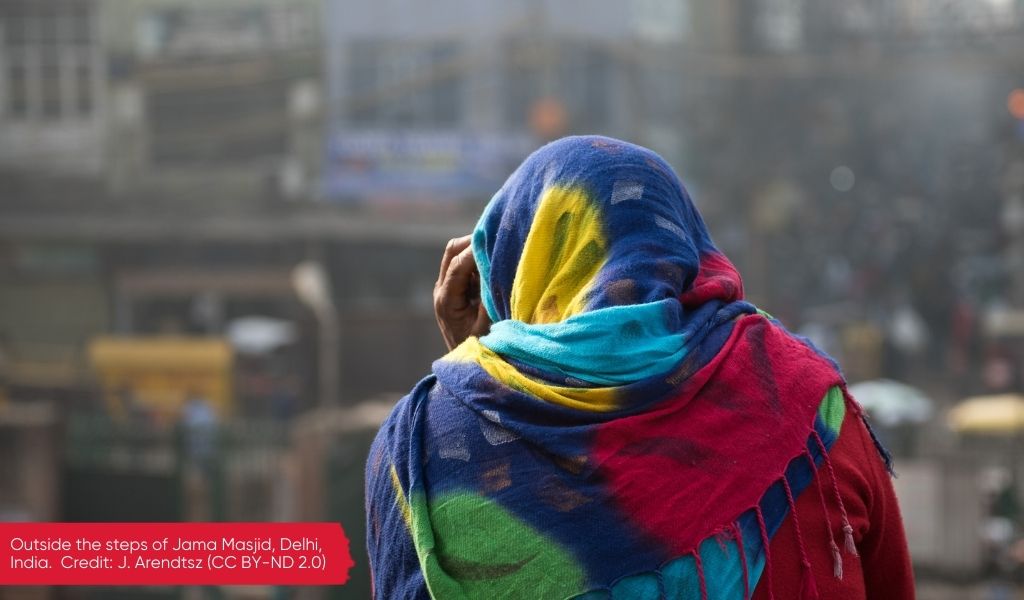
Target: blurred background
221,220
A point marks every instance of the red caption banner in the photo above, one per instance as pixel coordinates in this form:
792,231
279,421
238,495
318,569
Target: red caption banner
173,554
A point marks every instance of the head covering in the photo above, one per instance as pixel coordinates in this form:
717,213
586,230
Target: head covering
589,247
630,427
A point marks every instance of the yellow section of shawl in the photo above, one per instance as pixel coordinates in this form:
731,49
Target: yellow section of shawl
400,500
563,252
601,399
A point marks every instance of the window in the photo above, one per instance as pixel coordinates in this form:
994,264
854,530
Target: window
579,74
48,59
405,84
205,121
217,78
779,24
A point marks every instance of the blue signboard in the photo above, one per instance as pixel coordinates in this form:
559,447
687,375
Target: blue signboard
417,166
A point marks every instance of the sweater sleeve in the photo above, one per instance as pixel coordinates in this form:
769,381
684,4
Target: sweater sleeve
882,568
885,559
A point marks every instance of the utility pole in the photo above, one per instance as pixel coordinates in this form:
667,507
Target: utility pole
313,287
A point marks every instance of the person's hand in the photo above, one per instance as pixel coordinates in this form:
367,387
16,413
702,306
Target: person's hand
457,305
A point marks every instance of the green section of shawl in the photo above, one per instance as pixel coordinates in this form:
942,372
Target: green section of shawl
474,548
833,409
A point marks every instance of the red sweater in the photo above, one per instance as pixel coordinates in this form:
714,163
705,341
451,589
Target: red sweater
883,571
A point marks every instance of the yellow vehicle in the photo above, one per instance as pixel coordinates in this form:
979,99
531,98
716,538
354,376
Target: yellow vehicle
160,374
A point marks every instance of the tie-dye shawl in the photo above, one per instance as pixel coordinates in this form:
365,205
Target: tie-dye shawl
630,427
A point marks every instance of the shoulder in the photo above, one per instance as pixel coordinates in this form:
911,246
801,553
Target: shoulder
408,407
394,434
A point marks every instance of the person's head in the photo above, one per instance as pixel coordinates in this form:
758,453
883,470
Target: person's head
590,222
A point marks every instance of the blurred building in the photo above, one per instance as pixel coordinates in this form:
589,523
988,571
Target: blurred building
157,162
166,164
164,97
163,160
424,107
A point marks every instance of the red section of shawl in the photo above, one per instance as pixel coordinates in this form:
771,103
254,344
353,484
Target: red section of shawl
689,467
716,279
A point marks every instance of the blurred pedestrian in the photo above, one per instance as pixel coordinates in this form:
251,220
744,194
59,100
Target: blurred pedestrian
200,423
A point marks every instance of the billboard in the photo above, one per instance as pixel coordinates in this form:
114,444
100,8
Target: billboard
369,166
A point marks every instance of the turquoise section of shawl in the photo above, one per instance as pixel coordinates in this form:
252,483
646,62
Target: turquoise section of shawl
483,263
679,579
609,346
